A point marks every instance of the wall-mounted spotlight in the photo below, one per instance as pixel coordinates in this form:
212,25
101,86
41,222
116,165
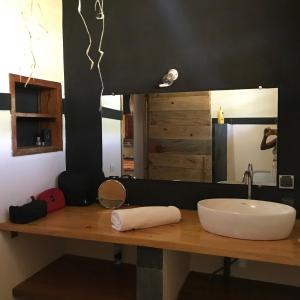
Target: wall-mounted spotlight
169,78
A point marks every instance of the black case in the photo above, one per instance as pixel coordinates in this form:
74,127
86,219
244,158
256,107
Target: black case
77,188
29,212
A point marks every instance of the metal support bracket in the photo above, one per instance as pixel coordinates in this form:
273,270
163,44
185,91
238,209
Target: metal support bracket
14,234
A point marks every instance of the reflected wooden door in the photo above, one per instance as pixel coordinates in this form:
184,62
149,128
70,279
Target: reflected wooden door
180,136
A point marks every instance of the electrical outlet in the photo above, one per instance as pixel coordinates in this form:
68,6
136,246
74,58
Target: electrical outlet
286,181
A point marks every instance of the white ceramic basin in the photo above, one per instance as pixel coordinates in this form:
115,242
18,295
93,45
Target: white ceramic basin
246,219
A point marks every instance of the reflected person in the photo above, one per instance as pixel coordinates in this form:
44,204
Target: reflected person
271,144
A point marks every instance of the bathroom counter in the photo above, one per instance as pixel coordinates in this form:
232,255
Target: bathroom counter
93,223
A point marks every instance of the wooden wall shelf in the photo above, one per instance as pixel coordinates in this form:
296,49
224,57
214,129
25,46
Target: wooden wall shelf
35,115
36,108
201,286
94,223
35,150
79,278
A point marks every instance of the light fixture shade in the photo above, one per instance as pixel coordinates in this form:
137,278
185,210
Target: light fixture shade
169,78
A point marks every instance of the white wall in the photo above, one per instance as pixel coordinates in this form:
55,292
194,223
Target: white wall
247,103
16,56
111,147
24,176
111,101
243,144
111,139
244,147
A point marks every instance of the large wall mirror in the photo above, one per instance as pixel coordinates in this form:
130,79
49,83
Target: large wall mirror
178,136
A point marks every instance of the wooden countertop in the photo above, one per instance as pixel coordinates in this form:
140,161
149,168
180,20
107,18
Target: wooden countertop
93,223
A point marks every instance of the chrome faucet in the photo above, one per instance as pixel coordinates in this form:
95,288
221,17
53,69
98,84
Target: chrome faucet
248,179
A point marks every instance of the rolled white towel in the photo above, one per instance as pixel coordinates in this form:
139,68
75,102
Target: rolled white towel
143,217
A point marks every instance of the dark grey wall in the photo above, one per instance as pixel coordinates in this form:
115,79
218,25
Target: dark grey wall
213,44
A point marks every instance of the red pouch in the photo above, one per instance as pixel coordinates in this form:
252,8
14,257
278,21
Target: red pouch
54,198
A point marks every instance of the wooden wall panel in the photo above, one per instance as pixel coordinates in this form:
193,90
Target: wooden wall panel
180,118
175,173
128,127
168,102
179,136
200,147
180,132
180,160
181,94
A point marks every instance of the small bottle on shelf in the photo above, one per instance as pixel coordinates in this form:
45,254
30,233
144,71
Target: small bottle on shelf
220,116
38,141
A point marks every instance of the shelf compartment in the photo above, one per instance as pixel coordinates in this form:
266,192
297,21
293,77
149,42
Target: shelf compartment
27,130
35,97
35,107
35,150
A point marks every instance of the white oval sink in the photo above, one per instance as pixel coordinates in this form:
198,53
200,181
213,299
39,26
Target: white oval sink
246,219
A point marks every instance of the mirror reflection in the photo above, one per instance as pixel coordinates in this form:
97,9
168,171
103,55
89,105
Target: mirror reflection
111,194
207,136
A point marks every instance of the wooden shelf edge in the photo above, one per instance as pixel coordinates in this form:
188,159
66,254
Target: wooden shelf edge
75,277
202,286
48,116
34,81
185,236
35,115
36,150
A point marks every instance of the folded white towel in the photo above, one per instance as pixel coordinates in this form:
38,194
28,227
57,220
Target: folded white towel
143,217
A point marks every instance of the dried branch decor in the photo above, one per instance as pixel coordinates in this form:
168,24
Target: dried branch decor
99,10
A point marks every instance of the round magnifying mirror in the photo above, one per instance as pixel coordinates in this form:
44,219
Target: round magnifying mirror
111,193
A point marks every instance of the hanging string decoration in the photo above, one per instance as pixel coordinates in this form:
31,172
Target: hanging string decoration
32,15
99,11
89,35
